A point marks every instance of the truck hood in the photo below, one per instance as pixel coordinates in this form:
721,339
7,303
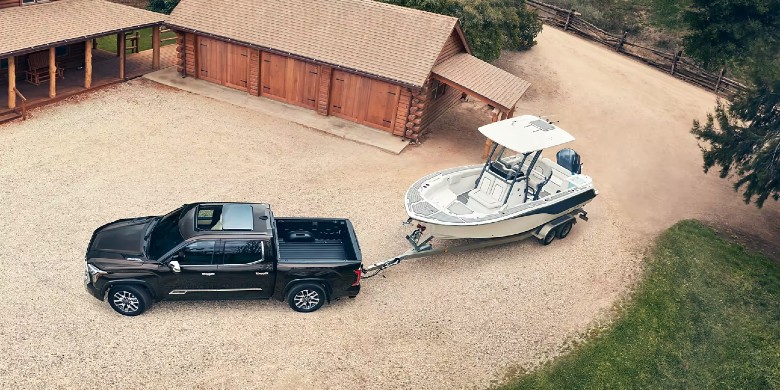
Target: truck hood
124,236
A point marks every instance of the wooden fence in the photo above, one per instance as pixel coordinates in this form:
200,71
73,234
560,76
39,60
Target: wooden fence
675,63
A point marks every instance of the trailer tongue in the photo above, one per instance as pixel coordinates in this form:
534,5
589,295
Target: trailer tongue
557,228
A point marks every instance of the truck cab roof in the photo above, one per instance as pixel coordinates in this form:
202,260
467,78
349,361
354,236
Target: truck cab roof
226,219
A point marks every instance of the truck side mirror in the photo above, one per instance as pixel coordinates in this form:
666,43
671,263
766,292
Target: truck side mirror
174,265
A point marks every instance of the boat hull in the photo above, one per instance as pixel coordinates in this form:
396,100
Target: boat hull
507,227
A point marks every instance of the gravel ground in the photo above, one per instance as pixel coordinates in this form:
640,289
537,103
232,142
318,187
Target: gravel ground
460,320
450,321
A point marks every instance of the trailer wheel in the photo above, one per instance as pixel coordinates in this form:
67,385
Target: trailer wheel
564,230
549,237
306,298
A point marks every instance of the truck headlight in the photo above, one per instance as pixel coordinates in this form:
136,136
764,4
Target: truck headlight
94,272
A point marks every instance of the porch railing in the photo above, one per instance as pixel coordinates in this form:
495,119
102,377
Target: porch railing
21,109
164,41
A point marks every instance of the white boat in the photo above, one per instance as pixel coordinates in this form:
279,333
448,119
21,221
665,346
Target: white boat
511,193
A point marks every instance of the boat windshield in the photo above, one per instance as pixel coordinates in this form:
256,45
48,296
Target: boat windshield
506,163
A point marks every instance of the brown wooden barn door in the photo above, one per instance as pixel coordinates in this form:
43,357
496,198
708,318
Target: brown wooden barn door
353,99
302,83
311,86
237,67
273,75
382,104
204,55
337,88
211,60
294,87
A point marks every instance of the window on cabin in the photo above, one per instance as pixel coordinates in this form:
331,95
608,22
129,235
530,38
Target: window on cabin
61,51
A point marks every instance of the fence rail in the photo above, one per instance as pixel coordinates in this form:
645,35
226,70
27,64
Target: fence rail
675,63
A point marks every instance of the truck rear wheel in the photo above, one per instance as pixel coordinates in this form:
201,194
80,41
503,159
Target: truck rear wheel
129,300
306,297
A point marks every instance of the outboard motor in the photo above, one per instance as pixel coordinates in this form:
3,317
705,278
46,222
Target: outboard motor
570,160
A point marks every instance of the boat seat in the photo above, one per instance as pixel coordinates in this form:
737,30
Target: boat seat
491,191
539,177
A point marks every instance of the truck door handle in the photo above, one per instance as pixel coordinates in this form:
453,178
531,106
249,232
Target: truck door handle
207,274
261,273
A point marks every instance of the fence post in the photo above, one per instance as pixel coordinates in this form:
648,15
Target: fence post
568,20
720,78
676,58
622,41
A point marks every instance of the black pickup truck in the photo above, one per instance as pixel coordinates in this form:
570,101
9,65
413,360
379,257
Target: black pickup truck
223,251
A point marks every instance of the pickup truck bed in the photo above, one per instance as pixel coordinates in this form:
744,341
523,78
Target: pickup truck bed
315,240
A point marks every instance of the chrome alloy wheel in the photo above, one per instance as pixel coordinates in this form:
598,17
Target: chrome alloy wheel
306,299
126,301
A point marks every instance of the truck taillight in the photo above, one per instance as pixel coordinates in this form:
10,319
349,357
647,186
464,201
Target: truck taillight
359,273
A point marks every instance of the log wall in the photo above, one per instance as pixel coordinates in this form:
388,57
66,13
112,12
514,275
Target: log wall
437,107
404,104
186,54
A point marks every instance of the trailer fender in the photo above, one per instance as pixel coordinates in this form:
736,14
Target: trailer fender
541,232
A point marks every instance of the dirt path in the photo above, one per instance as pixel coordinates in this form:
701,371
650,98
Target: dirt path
632,126
446,322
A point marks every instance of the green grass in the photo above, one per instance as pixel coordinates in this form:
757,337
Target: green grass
108,42
707,315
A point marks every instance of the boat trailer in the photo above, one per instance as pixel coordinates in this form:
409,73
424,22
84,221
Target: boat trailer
423,248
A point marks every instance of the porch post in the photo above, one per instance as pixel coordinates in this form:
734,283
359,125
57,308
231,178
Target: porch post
121,55
52,73
88,64
11,82
156,47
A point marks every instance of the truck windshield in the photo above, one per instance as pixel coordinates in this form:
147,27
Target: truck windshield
165,235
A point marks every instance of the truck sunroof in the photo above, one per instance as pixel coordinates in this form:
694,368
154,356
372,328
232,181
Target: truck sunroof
233,216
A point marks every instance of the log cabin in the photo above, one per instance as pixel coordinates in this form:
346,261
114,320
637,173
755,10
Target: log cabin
388,67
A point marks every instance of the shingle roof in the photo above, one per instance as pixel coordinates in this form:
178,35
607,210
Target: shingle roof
24,29
387,41
483,79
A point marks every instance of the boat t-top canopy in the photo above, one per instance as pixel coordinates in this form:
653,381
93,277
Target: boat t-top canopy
526,133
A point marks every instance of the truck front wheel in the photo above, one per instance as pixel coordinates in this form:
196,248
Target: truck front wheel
306,298
129,300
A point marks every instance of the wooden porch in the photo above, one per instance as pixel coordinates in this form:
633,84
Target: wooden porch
106,69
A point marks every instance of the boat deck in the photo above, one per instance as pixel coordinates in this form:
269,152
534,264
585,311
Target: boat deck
456,211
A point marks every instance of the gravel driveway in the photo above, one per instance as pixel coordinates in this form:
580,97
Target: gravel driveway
138,149
460,320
